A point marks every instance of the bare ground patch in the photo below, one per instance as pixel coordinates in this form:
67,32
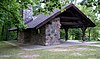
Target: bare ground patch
82,49
30,56
92,58
58,50
61,49
76,54
3,56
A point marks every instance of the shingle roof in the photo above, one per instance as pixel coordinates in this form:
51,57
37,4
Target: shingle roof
40,18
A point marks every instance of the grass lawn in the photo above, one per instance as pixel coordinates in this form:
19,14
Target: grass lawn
73,52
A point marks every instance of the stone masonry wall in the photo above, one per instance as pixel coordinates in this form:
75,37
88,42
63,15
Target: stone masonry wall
21,37
38,38
24,36
53,32
30,36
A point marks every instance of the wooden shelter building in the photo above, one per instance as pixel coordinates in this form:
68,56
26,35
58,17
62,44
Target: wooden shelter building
45,30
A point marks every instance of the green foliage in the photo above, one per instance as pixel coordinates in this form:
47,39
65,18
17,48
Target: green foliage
13,7
10,15
95,34
47,6
75,34
88,11
62,34
92,3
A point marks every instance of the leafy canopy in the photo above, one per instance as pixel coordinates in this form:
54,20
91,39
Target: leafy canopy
11,8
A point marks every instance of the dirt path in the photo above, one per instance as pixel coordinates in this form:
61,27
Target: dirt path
63,44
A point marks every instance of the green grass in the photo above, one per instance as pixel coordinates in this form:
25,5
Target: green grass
72,52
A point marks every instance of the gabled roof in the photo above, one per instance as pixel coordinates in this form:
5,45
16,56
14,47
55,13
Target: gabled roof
42,19
71,9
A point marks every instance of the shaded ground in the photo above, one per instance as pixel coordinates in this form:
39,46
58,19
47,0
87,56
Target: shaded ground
63,44
67,50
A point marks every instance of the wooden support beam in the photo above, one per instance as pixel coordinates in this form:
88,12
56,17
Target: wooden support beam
66,31
69,23
83,33
66,19
17,34
73,26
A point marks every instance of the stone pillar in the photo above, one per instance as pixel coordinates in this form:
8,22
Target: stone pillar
53,32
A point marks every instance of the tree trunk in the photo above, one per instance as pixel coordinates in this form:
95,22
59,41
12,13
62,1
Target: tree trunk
2,33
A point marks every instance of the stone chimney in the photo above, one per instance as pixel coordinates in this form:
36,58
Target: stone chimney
28,13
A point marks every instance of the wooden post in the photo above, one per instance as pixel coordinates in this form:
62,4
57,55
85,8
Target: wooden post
89,33
66,32
17,35
83,33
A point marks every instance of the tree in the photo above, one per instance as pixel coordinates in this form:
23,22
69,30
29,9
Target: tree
10,12
13,7
92,3
94,11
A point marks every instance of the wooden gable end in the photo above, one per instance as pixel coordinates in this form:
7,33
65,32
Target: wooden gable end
72,17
